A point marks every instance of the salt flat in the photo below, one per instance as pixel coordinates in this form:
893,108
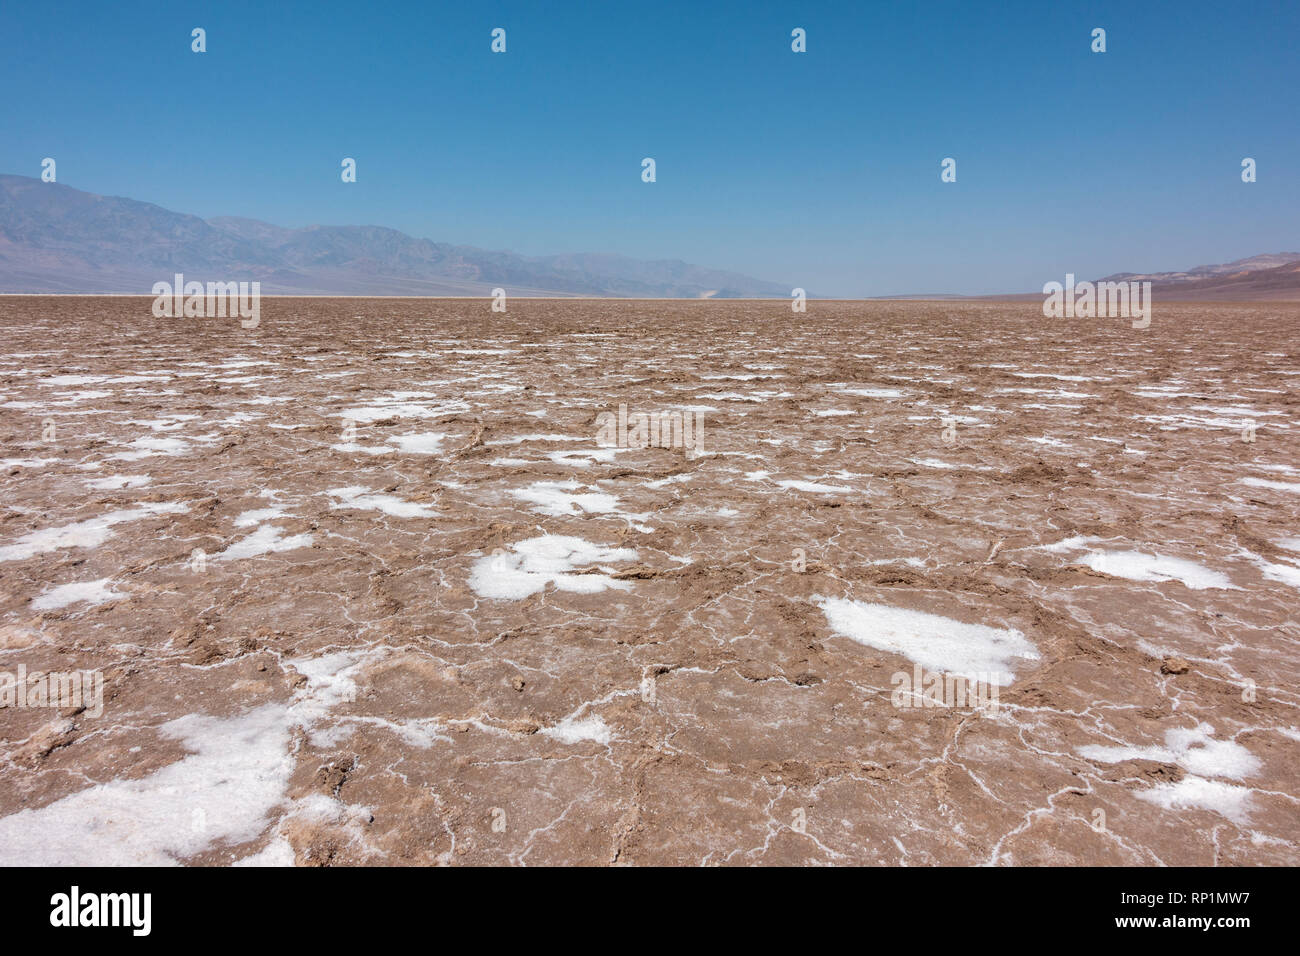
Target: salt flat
365,588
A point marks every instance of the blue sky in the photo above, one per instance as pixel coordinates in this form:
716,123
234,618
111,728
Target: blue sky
819,169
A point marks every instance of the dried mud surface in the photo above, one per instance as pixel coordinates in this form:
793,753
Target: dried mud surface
336,678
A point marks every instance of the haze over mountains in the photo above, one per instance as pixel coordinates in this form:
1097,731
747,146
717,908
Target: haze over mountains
54,238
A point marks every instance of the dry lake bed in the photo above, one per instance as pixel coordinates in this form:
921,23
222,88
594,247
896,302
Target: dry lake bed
391,581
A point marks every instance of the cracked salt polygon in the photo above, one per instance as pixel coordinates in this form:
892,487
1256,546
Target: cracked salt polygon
973,651
549,559
84,534
87,592
264,540
1137,566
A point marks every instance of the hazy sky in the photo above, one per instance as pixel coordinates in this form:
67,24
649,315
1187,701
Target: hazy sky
818,169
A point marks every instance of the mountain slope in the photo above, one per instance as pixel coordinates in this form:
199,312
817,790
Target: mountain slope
54,238
1240,267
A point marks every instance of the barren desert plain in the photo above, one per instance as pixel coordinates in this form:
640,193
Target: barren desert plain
363,586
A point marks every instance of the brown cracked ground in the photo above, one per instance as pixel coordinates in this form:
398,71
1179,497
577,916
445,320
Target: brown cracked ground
364,589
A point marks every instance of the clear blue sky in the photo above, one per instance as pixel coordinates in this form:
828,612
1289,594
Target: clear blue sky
818,169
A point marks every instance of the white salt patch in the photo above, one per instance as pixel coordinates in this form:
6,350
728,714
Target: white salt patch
1062,378
88,592
814,487
571,731
358,496
556,498
938,643
1194,749
148,447
224,791
168,423
65,380
25,462
264,540
1276,485
670,480
419,443
1197,793
549,559
1286,573
872,392
730,397
277,853
520,439
584,459
352,448
403,409
1136,566
117,482
247,519
84,534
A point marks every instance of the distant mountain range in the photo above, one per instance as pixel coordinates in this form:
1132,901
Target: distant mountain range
1274,275
54,238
